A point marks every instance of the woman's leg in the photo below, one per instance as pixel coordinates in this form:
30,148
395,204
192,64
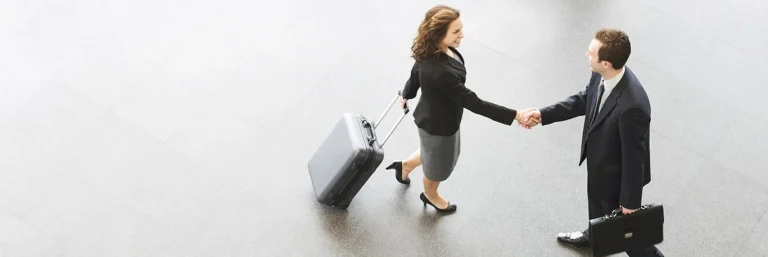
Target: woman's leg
411,163
430,191
430,186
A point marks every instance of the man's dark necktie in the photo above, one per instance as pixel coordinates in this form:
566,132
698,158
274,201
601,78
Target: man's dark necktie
597,103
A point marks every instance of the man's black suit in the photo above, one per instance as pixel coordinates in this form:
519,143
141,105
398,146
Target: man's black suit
615,142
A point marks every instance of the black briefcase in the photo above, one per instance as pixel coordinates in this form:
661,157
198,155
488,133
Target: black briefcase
616,233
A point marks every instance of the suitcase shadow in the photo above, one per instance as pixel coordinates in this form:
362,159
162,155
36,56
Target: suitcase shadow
337,223
346,230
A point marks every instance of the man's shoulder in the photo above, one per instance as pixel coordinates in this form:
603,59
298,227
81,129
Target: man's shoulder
635,94
633,83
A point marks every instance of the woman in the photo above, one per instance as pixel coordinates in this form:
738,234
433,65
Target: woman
440,73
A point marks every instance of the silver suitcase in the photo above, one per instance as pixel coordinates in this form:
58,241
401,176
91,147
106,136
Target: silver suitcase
348,157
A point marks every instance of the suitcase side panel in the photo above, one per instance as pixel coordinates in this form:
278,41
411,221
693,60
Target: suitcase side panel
340,160
361,176
336,154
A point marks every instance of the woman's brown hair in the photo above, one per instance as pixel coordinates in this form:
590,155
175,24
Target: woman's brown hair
432,31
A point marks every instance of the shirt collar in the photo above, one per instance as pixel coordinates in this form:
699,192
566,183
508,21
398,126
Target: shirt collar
611,83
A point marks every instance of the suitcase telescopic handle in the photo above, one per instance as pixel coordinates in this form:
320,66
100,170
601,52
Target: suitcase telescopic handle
381,117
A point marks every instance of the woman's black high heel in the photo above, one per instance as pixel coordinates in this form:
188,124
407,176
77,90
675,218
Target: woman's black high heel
451,206
398,167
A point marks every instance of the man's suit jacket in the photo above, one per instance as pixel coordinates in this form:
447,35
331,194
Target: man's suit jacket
616,144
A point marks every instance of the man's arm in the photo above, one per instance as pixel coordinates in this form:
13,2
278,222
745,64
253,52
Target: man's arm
634,124
571,107
412,85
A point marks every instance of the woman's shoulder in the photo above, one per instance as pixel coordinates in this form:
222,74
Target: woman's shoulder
431,65
435,71
433,60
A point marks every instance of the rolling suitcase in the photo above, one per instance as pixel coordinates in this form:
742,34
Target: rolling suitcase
348,157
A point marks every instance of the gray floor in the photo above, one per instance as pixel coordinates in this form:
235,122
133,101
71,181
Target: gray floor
183,128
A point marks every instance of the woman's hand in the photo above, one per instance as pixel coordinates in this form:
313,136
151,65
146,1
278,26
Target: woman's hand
528,118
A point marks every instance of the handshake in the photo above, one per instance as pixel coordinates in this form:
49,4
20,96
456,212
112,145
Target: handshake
528,118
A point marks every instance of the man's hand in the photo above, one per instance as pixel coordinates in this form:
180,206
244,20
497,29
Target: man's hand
403,102
626,211
528,118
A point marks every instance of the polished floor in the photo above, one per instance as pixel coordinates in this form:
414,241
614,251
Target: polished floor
183,128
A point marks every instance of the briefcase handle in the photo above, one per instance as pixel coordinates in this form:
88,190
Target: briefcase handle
617,212
381,117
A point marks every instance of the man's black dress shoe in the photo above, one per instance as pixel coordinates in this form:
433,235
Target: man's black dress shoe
577,238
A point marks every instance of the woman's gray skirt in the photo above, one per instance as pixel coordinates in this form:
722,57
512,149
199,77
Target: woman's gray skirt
439,154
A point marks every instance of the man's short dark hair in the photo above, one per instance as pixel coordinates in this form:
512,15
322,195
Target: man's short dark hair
616,47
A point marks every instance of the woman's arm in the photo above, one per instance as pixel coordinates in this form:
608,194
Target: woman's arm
412,85
452,86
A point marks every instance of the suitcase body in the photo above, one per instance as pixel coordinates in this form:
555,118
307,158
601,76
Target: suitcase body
616,233
347,158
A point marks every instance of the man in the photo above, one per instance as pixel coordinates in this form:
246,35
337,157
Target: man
615,138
